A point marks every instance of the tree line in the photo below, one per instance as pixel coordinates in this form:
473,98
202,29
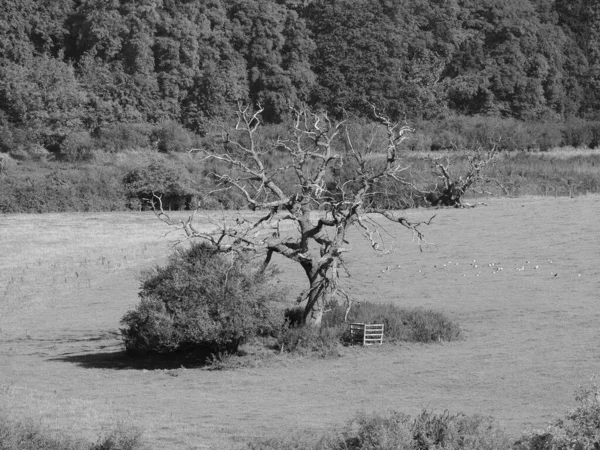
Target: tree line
84,65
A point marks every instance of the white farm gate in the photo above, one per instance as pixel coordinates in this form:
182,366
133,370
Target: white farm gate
366,334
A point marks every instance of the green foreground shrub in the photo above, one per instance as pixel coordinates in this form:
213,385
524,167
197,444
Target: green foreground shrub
397,431
31,435
201,301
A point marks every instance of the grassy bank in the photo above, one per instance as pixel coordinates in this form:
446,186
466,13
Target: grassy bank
101,184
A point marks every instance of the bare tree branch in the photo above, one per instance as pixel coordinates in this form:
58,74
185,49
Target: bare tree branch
305,211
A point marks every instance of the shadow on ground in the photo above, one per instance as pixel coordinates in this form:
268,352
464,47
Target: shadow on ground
121,360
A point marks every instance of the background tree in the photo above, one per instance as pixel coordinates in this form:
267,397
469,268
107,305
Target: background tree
307,220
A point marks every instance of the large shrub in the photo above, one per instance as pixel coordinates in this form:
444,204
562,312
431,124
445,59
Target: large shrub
200,301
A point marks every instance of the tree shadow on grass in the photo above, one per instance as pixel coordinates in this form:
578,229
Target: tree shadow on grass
121,360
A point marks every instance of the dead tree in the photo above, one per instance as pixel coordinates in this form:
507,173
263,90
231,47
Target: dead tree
449,191
299,211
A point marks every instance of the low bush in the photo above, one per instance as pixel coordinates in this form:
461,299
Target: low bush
172,184
31,435
400,324
397,431
201,302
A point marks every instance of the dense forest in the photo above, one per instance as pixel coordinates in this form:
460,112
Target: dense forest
84,65
82,76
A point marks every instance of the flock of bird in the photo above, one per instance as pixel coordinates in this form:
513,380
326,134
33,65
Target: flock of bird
494,267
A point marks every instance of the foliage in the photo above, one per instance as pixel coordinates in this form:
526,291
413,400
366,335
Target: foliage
124,136
97,185
172,137
121,436
43,96
69,66
160,180
579,429
31,435
401,324
77,146
58,189
200,301
397,431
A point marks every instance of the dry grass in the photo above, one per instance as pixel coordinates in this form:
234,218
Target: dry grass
531,337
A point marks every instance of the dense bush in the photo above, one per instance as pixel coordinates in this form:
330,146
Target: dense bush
168,181
200,301
400,324
397,431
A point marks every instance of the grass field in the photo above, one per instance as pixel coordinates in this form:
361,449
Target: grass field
531,334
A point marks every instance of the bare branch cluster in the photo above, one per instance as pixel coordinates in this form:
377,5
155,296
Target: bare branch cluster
449,191
305,215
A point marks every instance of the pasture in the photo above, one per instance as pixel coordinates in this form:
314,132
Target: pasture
521,276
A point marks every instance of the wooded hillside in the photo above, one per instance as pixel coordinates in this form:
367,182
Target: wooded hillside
84,66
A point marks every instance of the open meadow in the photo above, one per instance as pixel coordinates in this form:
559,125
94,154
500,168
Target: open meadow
521,276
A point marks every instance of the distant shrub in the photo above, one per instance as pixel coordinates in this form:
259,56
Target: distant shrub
578,430
171,183
173,138
472,132
19,145
90,188
125,136
397,431
581,133
544,136
201,301
78,146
